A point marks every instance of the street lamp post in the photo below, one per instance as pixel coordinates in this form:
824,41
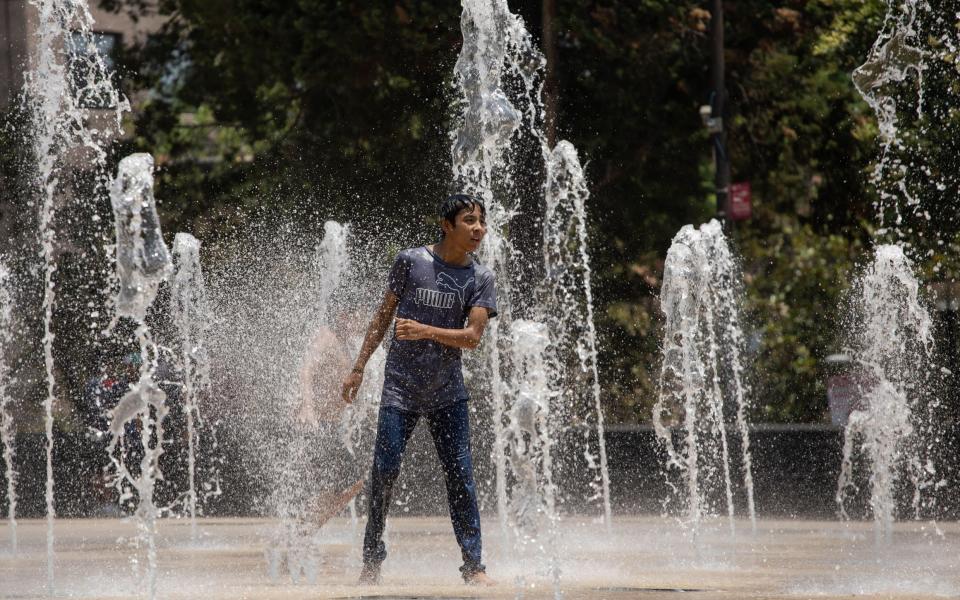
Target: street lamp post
718,135
549,9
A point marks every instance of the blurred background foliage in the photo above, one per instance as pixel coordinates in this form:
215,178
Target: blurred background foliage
342,109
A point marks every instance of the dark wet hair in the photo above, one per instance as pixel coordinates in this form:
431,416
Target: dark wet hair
454,203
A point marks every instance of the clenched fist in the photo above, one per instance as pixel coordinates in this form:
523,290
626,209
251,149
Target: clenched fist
351,385
408,329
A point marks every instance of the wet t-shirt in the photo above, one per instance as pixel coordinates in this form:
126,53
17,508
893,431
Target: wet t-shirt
423,375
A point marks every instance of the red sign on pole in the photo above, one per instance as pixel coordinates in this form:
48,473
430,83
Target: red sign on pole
740,201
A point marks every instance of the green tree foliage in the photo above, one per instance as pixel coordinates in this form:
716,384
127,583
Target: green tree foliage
631,82
279,104
801,134
271,104
798,131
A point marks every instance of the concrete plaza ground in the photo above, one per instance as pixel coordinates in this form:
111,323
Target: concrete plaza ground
640,557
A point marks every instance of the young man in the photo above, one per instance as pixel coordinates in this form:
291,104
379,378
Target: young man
442,299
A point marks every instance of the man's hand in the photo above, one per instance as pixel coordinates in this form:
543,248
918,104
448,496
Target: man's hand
351,385
408,329
467,338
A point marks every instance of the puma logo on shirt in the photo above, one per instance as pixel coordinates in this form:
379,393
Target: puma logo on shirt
446,281
434,299
439,299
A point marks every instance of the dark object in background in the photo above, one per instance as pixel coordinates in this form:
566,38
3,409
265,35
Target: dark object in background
795,469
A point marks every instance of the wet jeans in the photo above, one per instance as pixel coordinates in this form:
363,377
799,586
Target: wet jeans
450,428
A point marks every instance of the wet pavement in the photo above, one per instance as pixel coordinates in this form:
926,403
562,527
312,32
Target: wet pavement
639,557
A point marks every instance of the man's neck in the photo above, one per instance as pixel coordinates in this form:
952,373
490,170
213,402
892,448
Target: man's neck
450,255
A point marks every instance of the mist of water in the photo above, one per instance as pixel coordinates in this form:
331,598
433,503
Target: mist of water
283,301
7,431
702,391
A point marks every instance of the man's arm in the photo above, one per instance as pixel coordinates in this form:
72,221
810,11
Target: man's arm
468,337
375,332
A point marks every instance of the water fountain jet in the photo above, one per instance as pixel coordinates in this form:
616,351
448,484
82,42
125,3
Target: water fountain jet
891,338
568,308
142,263
7,431
529,446
60,134
889,331
191,315
499,74
701,381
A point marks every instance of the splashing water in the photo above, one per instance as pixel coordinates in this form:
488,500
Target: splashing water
701,382
568,307
530,450
7,432
61,135
494,41
136,422
893,345
499,75
293,541
893,59
191,314
479,146
283,303
890,333
143,261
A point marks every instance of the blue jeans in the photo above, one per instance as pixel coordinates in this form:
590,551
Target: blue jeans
450,429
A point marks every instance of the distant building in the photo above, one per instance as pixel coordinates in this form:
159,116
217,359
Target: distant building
13,48
18,24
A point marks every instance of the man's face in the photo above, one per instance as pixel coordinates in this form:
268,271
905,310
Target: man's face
467,230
